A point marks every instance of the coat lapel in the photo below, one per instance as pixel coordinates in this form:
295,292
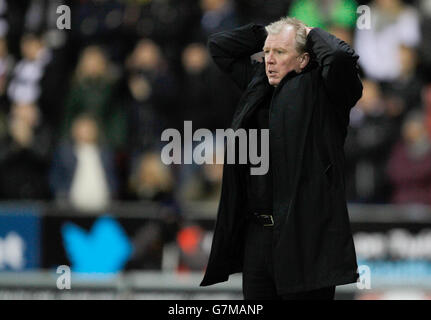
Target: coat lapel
254,94
291,118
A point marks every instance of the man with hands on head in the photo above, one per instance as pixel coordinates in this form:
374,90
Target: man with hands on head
287,231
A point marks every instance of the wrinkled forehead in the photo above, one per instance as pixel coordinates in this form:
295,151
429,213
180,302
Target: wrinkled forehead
285,38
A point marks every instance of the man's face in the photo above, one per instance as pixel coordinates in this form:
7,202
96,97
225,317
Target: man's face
281,56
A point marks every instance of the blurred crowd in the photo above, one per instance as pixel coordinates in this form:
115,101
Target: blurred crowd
82,110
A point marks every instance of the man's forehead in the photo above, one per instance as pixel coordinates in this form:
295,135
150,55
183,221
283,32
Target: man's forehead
284,38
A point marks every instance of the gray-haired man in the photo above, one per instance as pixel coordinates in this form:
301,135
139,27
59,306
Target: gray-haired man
288,231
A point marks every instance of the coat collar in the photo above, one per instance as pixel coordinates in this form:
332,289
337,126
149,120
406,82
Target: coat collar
292,74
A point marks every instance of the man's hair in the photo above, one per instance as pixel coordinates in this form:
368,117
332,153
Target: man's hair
300,27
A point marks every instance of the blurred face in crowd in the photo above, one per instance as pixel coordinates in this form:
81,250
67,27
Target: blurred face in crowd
26,112
209,5
140,87
408,60
153,175
30,47
195,58
84,130
390,6
281,55
414,130
213,172
92,63
371,99
22,121
146,55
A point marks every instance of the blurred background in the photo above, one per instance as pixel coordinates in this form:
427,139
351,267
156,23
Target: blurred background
81,114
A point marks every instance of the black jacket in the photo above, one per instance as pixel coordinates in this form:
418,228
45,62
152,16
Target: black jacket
309,115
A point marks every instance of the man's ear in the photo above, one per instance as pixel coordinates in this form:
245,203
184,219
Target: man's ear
305,59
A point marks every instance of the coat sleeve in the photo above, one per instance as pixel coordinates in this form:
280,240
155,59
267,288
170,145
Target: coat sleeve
231,51
339,67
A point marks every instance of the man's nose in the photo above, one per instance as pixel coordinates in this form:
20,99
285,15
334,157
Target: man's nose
270,58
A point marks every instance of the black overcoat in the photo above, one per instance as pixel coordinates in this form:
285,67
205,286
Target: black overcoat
309,115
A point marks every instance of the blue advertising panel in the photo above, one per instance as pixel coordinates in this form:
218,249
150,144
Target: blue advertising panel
19,239
103,244
395,252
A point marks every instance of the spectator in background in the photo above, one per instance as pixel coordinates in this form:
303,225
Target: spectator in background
145,94
26,83
24,155
147,63
404,93
37,78
143,121
150,179
208,97
141,97
208,101
212,180
92,91
41,16
82,170
409,166
370,137
393,24
196,98
217,15
201,183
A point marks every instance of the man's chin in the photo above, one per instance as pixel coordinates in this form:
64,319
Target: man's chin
273,82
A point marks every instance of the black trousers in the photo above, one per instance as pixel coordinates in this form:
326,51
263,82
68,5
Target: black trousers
258,272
